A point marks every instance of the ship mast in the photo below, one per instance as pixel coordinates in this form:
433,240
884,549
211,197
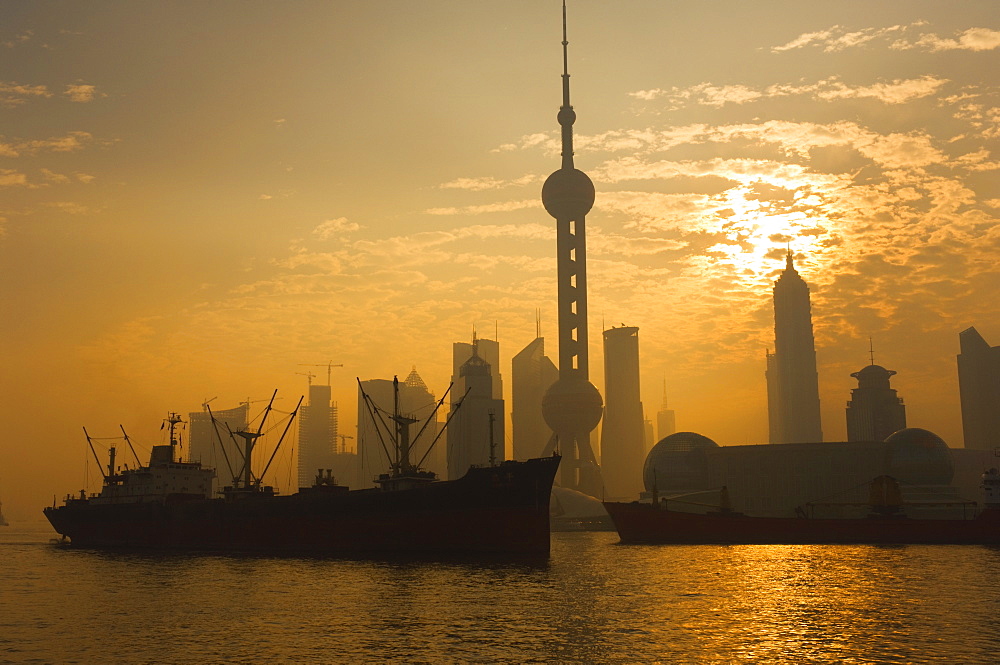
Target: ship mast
403,464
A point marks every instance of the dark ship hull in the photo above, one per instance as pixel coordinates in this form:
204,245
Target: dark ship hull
645,523
502,509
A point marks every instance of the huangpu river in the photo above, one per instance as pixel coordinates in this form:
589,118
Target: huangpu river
592,601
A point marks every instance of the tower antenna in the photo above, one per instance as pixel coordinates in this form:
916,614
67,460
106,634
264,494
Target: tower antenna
871,350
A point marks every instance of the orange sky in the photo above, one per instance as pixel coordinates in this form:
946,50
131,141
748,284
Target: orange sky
197,197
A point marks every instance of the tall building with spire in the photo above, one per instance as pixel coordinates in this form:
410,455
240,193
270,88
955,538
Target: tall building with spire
792,380
875,411
623,431
532,372
979,390
666,420
572,406
476,432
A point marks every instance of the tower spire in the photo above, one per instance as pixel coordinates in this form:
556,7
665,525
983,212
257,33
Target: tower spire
567,116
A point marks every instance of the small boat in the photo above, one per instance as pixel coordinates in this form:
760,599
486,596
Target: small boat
167,504
652,522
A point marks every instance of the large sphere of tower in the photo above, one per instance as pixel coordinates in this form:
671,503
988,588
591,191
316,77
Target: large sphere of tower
572,405
568,194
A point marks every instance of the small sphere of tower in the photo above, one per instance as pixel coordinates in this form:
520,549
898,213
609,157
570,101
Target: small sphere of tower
568,194
572,406
566,116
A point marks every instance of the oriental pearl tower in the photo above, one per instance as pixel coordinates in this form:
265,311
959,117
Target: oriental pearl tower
572,406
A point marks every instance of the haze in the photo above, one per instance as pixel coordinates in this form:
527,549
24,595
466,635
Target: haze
195,198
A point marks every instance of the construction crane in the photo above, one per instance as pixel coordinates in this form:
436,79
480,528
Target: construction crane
309,376
343,442
329,369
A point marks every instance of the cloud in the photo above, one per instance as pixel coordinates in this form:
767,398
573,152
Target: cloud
335,227
19,39
501,206
52,176
838,38
70,207
481,184
14,94
11,178
80,92
898,91
70,142
973,39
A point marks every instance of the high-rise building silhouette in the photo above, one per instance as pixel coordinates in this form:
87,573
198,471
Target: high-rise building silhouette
979,389
317,434
211,444
792,380
476,432
572,406
416,401
488,350
622,434
532,372
666,421
875,411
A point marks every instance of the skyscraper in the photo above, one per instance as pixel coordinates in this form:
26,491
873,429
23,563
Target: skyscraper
572,406
211,444
666,421
792,380
532,372
622,435
979,388
476,431
415,400
488,350
875,411
317,434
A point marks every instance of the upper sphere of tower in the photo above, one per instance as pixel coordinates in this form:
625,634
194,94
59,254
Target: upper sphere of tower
572,405
568,194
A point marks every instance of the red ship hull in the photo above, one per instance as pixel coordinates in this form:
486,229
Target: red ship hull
502,510
644,523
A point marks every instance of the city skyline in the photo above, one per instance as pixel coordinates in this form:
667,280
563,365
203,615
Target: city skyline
230,194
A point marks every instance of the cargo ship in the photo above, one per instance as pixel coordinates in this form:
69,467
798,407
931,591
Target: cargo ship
886,523
501,509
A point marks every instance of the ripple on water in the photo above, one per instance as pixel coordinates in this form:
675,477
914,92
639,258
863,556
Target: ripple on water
593,601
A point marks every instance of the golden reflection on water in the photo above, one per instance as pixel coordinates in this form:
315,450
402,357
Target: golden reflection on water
593,601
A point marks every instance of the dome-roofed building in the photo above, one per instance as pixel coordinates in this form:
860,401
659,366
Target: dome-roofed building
779,480
678,462
918,457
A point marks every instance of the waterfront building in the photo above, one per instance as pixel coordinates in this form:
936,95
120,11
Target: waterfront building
979,390
211,444
666,420
875,411
475,434
825,479
622,432
416,401
532,372
317,434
